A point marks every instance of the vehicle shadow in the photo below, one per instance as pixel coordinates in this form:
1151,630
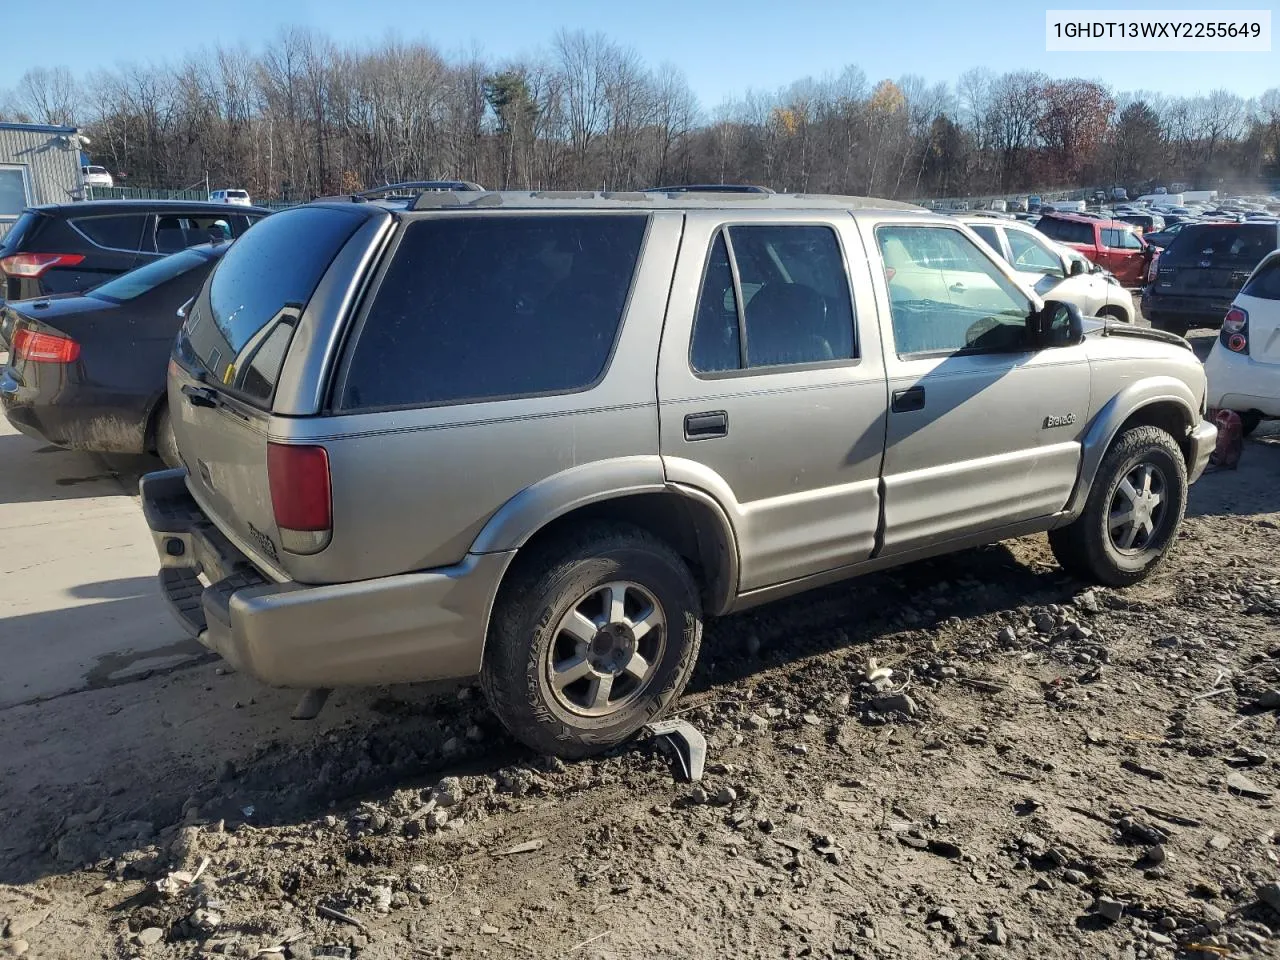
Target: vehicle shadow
1249,489
861,611
35,472
199,746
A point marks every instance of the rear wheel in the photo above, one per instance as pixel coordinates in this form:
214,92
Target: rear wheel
1249,420
1133,513
593,636
165,442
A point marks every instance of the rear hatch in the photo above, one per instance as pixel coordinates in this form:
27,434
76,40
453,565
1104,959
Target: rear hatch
1213,260
228,358
1260,299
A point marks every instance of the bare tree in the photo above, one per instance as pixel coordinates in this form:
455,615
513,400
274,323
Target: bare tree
48,95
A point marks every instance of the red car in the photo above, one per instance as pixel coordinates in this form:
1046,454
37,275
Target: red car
1109,243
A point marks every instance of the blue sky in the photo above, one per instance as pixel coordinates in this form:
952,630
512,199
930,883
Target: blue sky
724,48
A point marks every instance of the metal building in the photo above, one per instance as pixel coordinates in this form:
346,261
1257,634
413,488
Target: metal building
38,164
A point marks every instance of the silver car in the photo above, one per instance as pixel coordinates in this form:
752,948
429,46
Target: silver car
542,438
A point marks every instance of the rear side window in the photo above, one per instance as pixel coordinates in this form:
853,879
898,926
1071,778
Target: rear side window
117,233
262,284
795,305
1067,231
1265,284
488,307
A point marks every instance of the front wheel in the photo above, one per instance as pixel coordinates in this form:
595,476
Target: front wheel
1249,421
594,635
1133,513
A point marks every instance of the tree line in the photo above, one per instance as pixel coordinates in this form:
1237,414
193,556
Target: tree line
305,116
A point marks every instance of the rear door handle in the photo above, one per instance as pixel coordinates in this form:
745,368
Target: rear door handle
904,401
705,426
199,396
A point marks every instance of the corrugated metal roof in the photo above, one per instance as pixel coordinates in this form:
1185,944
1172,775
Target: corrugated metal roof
37,127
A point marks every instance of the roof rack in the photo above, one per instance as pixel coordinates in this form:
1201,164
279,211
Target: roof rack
440,200
410,189
712,188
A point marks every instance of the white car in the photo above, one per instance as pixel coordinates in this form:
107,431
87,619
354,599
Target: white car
238,197
1054,271
1244,364
95,176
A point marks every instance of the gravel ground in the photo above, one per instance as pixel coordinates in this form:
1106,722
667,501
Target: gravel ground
1048,771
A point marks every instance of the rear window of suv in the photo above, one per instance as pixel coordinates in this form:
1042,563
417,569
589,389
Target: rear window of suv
1227,244
257,293
1066,231
490,307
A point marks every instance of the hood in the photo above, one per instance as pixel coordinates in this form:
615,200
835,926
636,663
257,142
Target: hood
1106,327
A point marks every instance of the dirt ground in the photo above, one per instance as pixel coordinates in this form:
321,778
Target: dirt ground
1051,771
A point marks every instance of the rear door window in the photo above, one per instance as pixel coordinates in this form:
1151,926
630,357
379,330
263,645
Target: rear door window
483,308
263,283
795,306
114,233
990,236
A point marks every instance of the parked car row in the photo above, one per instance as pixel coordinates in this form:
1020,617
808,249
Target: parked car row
89,312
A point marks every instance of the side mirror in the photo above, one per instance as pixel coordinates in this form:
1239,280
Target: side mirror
1058,324
1077,267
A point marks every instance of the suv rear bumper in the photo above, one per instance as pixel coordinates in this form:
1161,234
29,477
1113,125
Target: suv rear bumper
1206,311
410,627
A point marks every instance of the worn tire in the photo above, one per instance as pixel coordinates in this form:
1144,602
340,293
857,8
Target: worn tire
541,589
166,444
1084,547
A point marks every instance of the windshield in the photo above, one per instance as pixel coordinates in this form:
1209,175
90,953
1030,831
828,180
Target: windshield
135,283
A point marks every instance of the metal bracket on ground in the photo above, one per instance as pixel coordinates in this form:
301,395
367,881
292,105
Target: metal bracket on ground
690,745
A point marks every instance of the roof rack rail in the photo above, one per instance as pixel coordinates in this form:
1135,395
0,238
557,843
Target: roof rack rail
411,189
712,188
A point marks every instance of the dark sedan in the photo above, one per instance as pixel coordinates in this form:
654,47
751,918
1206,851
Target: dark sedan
88,371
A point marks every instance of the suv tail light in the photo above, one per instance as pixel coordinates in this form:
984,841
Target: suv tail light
300,496
1235,331
44,347
34,264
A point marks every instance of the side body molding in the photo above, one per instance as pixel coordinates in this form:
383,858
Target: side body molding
1107,422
